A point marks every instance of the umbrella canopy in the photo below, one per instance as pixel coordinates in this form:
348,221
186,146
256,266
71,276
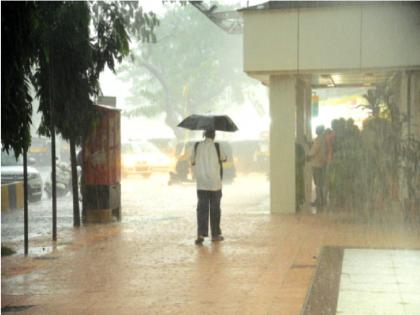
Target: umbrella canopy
208,122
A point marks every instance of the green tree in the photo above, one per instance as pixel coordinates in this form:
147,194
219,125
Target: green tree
17,23
63,78
68,74
70,60
194,67
53,40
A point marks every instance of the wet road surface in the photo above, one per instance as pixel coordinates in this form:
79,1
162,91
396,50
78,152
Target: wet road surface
148,263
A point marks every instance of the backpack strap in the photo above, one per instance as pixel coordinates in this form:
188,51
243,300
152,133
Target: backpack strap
218,157
195,150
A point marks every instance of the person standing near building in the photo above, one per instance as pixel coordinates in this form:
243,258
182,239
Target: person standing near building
207,158
329,137
318,158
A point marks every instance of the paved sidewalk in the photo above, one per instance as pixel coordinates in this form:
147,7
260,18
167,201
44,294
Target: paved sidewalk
151,266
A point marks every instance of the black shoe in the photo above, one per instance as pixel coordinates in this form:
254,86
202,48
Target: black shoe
218,238
199,240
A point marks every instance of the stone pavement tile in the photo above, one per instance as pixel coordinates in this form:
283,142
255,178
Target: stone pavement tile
286,306
258,301
112,308
52,299
208,308
298,277
140,310
255,309
57,309
13,300
412,309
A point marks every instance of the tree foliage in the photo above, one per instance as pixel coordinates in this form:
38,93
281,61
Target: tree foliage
63,75
193,68
80,58
50,43
17,23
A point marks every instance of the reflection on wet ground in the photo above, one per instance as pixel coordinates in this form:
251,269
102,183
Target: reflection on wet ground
148,263
41,250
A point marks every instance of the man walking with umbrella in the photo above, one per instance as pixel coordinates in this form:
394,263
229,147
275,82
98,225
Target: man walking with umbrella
207,158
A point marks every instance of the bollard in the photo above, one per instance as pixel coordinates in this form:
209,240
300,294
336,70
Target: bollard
12,196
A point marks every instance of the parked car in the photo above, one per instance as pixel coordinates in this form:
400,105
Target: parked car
143,157
40,150
63,180
12,171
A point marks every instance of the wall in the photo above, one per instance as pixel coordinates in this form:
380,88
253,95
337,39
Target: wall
347,37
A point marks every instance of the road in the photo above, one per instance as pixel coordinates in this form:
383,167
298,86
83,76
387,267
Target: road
40,216
142,199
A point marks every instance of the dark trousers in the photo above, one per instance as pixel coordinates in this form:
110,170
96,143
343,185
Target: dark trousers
208,202
319,180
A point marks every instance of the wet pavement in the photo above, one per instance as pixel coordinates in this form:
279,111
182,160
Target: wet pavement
40,216
148,263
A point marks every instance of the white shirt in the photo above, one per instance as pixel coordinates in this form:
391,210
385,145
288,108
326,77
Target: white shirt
206,164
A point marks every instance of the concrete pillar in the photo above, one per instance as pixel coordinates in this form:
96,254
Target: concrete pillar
308,112
415,105
300,134
415,109
402,91
282,143
308,134
403,102
300,112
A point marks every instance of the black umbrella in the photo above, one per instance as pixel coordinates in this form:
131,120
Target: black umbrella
208,122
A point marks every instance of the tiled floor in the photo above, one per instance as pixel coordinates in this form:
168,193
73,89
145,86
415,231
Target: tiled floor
380,282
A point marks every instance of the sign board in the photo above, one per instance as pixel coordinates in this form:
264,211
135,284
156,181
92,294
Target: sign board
101,150
107,100
315,105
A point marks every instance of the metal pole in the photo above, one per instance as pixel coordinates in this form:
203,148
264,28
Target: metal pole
53,156
53,180
76,211
409,75
25,200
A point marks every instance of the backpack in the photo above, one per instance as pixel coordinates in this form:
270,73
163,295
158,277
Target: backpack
218,156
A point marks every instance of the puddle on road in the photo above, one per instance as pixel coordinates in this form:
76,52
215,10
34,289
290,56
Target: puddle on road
38,252
135,219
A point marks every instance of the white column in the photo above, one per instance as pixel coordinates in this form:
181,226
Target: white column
403,102
308,134
300,112
282,143
415,104
415,109
308,112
